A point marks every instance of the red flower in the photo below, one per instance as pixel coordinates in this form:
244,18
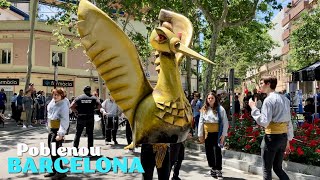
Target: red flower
253,140
300,151
317,151
293,114
249,129
256,133
247,147
293,141
291,148
313,143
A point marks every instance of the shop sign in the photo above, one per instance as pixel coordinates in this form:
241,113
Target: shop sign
9,82
48,82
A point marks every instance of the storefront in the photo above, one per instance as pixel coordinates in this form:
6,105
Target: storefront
9,86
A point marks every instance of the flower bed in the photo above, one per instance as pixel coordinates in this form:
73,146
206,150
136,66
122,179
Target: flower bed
246,136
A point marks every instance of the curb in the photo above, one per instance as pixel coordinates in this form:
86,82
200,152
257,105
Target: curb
253,163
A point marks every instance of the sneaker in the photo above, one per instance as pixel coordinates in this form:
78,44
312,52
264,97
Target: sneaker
59,176
24,126
30,126
219,174
115,142
49,174
211,173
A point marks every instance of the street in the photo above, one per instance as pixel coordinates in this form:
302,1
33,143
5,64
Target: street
194,166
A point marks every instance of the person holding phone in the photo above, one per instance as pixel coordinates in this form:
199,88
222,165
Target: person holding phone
276,119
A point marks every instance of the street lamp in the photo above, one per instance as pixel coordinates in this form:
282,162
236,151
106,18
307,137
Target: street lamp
55,61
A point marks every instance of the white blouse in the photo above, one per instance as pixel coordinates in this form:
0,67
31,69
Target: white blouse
210,117
59,110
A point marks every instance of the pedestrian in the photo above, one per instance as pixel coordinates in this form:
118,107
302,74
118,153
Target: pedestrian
3,100
83,106
155,155
236,105
276,119
19,107
213,128
58,122
13,106
27,107
176,158
196,105
41,107
111,113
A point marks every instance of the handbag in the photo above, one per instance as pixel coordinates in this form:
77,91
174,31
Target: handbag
23,116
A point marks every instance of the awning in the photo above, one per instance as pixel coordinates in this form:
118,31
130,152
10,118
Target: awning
309,73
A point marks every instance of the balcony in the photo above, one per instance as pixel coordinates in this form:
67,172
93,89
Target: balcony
302,5
285,49
285,20
286,34
294,2
286,9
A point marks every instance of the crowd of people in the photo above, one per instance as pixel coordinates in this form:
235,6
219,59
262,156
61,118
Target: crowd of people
210,124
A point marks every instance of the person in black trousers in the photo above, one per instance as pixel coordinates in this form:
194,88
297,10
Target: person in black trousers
176,158
84,106
149,160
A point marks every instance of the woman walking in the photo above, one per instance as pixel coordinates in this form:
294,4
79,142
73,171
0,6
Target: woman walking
213,128
58,123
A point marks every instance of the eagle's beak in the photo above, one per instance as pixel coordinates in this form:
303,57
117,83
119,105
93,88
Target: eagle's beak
187,51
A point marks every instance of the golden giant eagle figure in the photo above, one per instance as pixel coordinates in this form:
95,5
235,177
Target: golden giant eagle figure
156,115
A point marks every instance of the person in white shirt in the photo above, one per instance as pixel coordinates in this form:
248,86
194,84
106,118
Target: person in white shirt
58,123
275,117
111,113
213,128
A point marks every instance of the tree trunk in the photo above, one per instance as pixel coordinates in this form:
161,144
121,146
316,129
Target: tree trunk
33,8
189,74
207,79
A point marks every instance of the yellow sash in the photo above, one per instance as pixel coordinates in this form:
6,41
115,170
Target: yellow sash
210,127
55,124
276,128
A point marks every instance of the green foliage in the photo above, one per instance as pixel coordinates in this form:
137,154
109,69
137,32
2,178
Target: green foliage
243,48
305,41
65,21
4,4
220,16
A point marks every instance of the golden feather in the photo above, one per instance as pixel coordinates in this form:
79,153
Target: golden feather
114,56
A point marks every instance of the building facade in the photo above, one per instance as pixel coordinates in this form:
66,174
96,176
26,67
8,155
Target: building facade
284,25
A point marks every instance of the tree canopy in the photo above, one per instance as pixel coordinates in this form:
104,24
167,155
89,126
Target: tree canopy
305,41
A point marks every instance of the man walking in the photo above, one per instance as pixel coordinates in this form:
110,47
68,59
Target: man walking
84,106
111,113
19,107
3,101
196,105
275,117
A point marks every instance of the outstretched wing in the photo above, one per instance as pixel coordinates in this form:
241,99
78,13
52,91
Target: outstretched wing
114,56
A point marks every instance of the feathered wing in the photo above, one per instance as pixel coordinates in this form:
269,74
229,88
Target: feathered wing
114,56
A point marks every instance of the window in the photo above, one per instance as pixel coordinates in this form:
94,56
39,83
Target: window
5,56
61,56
